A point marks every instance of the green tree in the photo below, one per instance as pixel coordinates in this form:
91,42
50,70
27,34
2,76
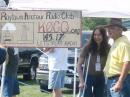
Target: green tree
91,23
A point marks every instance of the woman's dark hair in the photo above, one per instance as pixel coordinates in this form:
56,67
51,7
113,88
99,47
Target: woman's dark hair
93,48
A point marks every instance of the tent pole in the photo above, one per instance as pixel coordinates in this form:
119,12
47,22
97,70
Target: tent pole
75,63
2,78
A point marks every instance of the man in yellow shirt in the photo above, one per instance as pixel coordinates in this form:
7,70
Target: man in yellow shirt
117,69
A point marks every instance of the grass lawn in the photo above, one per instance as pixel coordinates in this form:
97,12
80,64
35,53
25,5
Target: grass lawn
33,90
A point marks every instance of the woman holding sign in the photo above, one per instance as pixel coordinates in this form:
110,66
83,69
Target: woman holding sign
98,48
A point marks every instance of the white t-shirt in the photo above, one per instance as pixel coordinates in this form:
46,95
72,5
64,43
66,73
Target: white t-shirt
57,60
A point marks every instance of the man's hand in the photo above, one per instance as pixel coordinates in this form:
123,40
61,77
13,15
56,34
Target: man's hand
118,86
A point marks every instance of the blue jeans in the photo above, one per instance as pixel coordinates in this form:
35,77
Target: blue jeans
125,91
11,86
98,83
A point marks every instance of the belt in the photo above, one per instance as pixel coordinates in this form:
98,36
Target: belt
114,76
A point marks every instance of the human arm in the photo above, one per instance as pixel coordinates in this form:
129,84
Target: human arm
10,53
124,58
48,49
80,72
7,58
119,84
81,60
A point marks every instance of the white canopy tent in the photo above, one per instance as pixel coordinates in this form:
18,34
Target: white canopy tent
90,8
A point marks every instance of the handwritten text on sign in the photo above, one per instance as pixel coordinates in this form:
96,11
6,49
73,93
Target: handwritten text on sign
40,28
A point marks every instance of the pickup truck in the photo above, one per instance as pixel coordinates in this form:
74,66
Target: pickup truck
25,56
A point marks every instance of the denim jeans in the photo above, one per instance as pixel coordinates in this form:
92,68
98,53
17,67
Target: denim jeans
95,86
125,91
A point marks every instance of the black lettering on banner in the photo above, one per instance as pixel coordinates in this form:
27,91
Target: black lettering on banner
47,37
48,15
70,43
59,36
52,37
75,31
64,26
3,16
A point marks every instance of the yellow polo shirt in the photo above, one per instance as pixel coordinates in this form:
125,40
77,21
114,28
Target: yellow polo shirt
118,55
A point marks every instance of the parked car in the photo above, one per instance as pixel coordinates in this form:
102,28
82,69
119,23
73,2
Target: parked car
25,56
42,73
42,70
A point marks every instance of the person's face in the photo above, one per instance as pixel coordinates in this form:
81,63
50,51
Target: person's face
98,37
114,32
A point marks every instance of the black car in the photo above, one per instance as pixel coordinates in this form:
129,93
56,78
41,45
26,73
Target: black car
26,57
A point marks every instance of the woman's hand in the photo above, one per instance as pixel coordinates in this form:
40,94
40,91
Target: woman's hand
82,85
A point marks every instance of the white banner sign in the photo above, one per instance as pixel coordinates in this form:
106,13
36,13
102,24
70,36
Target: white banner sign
40,28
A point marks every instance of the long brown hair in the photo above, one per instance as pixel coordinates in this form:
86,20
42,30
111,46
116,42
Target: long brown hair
93,47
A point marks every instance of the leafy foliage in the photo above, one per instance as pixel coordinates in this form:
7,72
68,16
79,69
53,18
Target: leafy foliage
91,23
